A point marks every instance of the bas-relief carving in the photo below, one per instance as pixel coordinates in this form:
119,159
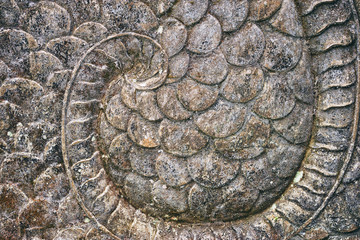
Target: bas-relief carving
179,119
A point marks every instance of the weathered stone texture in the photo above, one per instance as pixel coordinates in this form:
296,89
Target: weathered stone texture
179,119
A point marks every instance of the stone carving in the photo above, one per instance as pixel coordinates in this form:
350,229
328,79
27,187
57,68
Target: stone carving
179,119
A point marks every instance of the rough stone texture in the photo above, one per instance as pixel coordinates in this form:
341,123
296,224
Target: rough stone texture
187,119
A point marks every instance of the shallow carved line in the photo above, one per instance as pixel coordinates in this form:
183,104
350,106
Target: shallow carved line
338,105
306,196
334,58
344,79
78,141
324,146
330,40
98,175
106,190
333,139
316,25
81,120
85,102
309,6
320,171
96,154
296,214
311,189
91,84
100,68
344,122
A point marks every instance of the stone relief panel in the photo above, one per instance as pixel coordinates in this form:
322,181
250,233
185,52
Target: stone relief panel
179,119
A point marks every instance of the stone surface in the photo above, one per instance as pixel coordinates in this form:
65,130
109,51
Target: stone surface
245,46
188,119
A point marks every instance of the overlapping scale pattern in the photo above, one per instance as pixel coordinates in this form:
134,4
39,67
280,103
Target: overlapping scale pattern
226,114
197,110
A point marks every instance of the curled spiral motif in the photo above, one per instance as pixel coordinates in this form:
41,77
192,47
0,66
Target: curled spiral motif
194,128
221,137
196,110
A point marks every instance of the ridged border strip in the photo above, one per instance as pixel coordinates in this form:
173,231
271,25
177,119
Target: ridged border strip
64,123
351,148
